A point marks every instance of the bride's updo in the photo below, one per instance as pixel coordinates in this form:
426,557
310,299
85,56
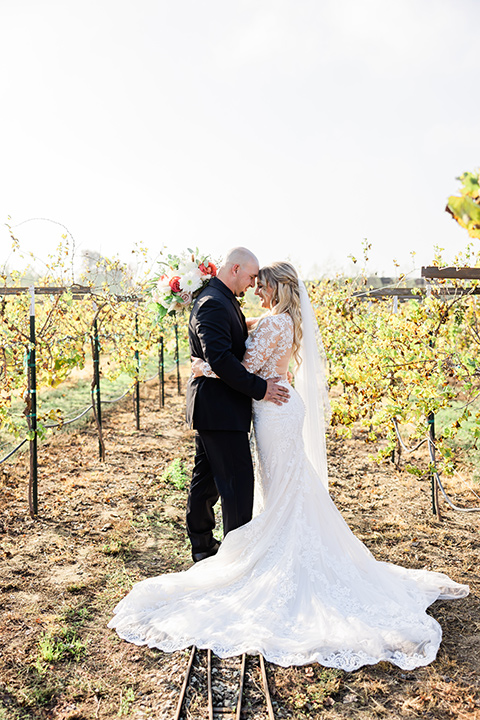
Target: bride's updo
283,279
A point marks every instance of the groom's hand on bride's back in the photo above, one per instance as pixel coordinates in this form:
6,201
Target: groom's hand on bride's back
276,393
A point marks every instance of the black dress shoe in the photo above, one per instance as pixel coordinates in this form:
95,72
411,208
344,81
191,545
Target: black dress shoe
197,556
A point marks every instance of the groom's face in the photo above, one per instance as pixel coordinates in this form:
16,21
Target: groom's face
245,276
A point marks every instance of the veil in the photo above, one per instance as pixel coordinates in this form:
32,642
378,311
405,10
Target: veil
311,385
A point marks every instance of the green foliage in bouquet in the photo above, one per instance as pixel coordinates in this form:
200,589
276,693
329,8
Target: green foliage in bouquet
178,282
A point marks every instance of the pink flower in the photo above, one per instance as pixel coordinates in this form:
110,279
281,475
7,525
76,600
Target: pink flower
185,297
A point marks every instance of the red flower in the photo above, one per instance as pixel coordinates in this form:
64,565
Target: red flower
175,284
210,269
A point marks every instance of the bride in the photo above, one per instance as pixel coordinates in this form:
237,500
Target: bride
293,584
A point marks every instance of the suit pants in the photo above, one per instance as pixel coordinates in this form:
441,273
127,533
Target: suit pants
223,468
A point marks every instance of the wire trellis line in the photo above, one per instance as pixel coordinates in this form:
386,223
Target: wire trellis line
14,450
435,471
62,423
431,449
400,439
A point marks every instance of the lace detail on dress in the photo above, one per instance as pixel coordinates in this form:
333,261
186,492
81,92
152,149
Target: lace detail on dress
269,346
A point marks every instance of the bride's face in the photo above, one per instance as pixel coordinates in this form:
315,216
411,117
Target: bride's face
264,292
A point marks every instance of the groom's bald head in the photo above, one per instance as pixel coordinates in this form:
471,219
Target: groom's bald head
239,256
239,270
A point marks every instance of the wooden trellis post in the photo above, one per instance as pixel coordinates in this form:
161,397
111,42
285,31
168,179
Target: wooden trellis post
161,372
136,398
177,358
32,412
97,399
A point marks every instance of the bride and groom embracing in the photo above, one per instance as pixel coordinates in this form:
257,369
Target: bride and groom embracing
292,583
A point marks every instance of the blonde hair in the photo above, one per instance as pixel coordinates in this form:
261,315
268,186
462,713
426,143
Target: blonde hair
283,279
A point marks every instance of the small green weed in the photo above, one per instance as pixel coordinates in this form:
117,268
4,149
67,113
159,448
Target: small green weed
61,646
126,699
323,685
117,546
175,474
76,615
77,588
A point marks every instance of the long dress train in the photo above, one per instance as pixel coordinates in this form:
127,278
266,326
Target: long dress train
294,584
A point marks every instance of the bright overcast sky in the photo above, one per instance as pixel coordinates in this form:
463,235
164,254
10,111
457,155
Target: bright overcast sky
294,127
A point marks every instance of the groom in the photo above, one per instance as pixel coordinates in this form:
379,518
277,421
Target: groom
220,410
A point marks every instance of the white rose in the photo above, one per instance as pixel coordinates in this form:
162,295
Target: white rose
160,293
163,284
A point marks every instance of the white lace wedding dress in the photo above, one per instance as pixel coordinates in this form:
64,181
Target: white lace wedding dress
294,584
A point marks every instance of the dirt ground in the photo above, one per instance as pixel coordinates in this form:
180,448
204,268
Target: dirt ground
103,526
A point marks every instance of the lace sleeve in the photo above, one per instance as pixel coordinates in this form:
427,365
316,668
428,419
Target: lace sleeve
263,342
207,370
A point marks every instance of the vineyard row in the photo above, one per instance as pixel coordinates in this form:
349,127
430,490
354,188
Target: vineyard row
391,363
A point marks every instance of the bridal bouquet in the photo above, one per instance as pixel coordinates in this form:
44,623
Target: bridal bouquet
179,281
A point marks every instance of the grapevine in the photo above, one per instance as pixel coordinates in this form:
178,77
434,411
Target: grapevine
391,364
64,333
400,364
